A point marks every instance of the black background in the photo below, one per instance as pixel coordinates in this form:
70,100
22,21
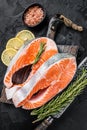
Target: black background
75,118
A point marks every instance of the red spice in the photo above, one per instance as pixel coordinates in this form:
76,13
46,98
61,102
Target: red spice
33,16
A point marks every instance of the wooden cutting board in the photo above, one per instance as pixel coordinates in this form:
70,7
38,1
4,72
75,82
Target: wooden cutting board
72,49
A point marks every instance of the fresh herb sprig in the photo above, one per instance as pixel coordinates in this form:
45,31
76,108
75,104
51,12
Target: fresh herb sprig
42,48
61,101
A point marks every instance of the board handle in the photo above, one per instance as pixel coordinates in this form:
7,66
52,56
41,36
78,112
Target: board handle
44,125
55,22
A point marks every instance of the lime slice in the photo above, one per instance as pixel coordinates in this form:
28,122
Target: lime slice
14,43
25,35
7,55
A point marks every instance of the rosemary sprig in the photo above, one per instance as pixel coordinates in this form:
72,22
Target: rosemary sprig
42,47
60,102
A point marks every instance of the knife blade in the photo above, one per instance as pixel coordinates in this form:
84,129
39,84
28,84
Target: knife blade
48,121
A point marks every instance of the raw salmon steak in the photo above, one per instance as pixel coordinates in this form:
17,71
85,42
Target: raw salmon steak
51,78
21,69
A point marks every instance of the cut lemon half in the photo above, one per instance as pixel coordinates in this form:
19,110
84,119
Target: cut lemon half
25,35
14,43
7,55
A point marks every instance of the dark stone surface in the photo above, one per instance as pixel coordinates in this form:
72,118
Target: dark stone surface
10,23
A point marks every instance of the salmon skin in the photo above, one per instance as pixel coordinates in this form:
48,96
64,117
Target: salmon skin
51,78
21,70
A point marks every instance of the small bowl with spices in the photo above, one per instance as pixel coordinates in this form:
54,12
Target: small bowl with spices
34,15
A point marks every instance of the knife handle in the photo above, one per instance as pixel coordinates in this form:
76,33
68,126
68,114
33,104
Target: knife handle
44,125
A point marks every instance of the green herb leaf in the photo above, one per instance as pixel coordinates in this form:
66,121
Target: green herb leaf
42,47
65,98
